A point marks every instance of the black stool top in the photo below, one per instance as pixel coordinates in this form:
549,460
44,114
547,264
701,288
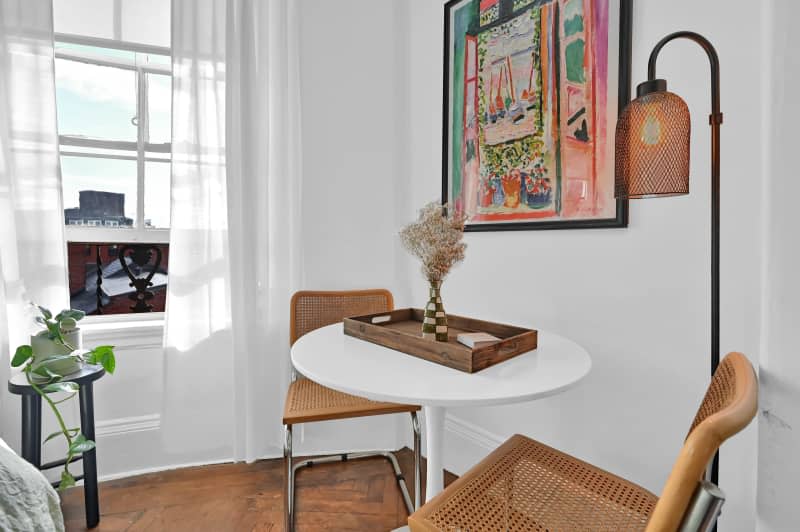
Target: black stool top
18,384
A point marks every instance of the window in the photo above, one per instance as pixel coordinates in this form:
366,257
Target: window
114,125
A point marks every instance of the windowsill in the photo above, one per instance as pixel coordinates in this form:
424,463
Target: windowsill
127,325
100,235
121,320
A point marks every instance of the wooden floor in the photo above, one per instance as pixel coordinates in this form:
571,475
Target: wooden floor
358,495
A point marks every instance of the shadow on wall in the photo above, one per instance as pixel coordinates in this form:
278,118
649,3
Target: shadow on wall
197,422
778,437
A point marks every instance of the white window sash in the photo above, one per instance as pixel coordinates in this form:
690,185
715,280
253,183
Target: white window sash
136,151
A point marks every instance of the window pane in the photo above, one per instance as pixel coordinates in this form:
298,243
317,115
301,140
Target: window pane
156,195
98,191
115,289
155,59
159,102
95,101
99,52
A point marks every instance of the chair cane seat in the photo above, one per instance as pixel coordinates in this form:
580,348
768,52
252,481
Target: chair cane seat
527,486
308,401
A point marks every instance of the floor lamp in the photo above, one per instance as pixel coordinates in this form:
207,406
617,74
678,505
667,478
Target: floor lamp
652,158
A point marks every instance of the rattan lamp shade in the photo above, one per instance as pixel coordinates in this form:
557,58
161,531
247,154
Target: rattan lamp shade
652,147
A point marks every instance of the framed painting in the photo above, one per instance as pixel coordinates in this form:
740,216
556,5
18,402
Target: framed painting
532,91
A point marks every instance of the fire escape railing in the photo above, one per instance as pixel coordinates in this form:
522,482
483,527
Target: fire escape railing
141,255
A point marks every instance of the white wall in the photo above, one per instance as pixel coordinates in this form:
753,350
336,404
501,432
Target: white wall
636,298
352,54
778,442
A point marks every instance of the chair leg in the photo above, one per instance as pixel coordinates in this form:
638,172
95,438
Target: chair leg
417,460
291,469
344,457
287,458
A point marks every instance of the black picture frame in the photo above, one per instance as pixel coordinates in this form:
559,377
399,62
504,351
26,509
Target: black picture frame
623,98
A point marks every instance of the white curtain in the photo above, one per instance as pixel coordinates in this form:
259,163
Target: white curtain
32,248
235,242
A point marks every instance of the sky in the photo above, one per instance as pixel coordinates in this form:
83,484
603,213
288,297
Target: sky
99,102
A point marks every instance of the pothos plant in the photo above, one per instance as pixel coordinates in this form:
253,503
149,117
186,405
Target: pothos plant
44,380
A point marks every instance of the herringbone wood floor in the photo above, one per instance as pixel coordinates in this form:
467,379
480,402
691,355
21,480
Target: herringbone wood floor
359,495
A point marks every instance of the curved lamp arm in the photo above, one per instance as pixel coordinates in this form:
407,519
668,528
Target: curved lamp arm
713,59
715,120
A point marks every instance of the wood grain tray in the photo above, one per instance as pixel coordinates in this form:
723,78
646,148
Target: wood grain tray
402,330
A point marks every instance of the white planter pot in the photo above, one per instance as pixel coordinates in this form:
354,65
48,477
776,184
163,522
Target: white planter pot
44,347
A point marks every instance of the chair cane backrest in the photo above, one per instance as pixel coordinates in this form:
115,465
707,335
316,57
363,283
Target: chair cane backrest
729,405
314,309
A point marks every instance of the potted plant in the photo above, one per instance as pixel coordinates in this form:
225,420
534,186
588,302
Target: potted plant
54,353
436,240
60,336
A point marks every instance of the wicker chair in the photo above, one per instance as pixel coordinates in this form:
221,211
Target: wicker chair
525,485
307,401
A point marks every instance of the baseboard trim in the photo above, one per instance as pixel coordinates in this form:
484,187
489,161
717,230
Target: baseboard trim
158,469
170,467
472,433
127,425
466,444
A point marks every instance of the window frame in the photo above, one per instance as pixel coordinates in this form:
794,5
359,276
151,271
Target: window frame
144,150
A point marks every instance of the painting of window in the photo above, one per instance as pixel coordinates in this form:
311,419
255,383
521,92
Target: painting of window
531,99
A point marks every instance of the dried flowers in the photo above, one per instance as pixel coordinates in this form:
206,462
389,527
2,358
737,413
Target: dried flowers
436,239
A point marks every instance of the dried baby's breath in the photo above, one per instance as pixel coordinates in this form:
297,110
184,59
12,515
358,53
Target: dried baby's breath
436,240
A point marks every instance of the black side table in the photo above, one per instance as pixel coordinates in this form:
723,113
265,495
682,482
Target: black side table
32,432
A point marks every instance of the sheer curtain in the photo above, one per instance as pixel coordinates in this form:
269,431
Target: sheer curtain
32,249
235,241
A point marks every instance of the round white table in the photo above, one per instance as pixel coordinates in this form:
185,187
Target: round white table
358,367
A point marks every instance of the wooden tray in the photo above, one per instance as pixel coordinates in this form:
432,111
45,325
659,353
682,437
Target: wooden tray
402,330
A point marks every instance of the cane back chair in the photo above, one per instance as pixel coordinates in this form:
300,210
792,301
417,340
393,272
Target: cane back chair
527,486
307,401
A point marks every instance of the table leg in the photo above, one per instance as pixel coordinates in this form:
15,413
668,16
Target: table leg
32,429
90,496
434,438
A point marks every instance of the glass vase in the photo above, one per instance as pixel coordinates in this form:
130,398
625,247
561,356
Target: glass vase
434,326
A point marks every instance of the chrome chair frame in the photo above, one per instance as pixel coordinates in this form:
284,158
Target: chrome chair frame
291,468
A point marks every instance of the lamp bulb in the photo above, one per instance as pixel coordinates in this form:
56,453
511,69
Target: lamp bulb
651,130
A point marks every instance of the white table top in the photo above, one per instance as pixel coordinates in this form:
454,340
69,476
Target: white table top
358,367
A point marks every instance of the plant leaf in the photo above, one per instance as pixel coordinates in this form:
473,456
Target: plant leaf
109,361
45,312
76,315
67,480
55,358
58,433
98,352
22,354
103,355
55,330
68,386
67,324
44,371
80,445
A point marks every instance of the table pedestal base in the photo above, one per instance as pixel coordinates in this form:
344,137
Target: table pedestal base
434,437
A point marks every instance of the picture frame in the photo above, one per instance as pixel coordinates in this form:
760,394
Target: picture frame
531,96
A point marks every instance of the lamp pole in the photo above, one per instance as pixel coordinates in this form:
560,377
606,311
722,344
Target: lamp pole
715,120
